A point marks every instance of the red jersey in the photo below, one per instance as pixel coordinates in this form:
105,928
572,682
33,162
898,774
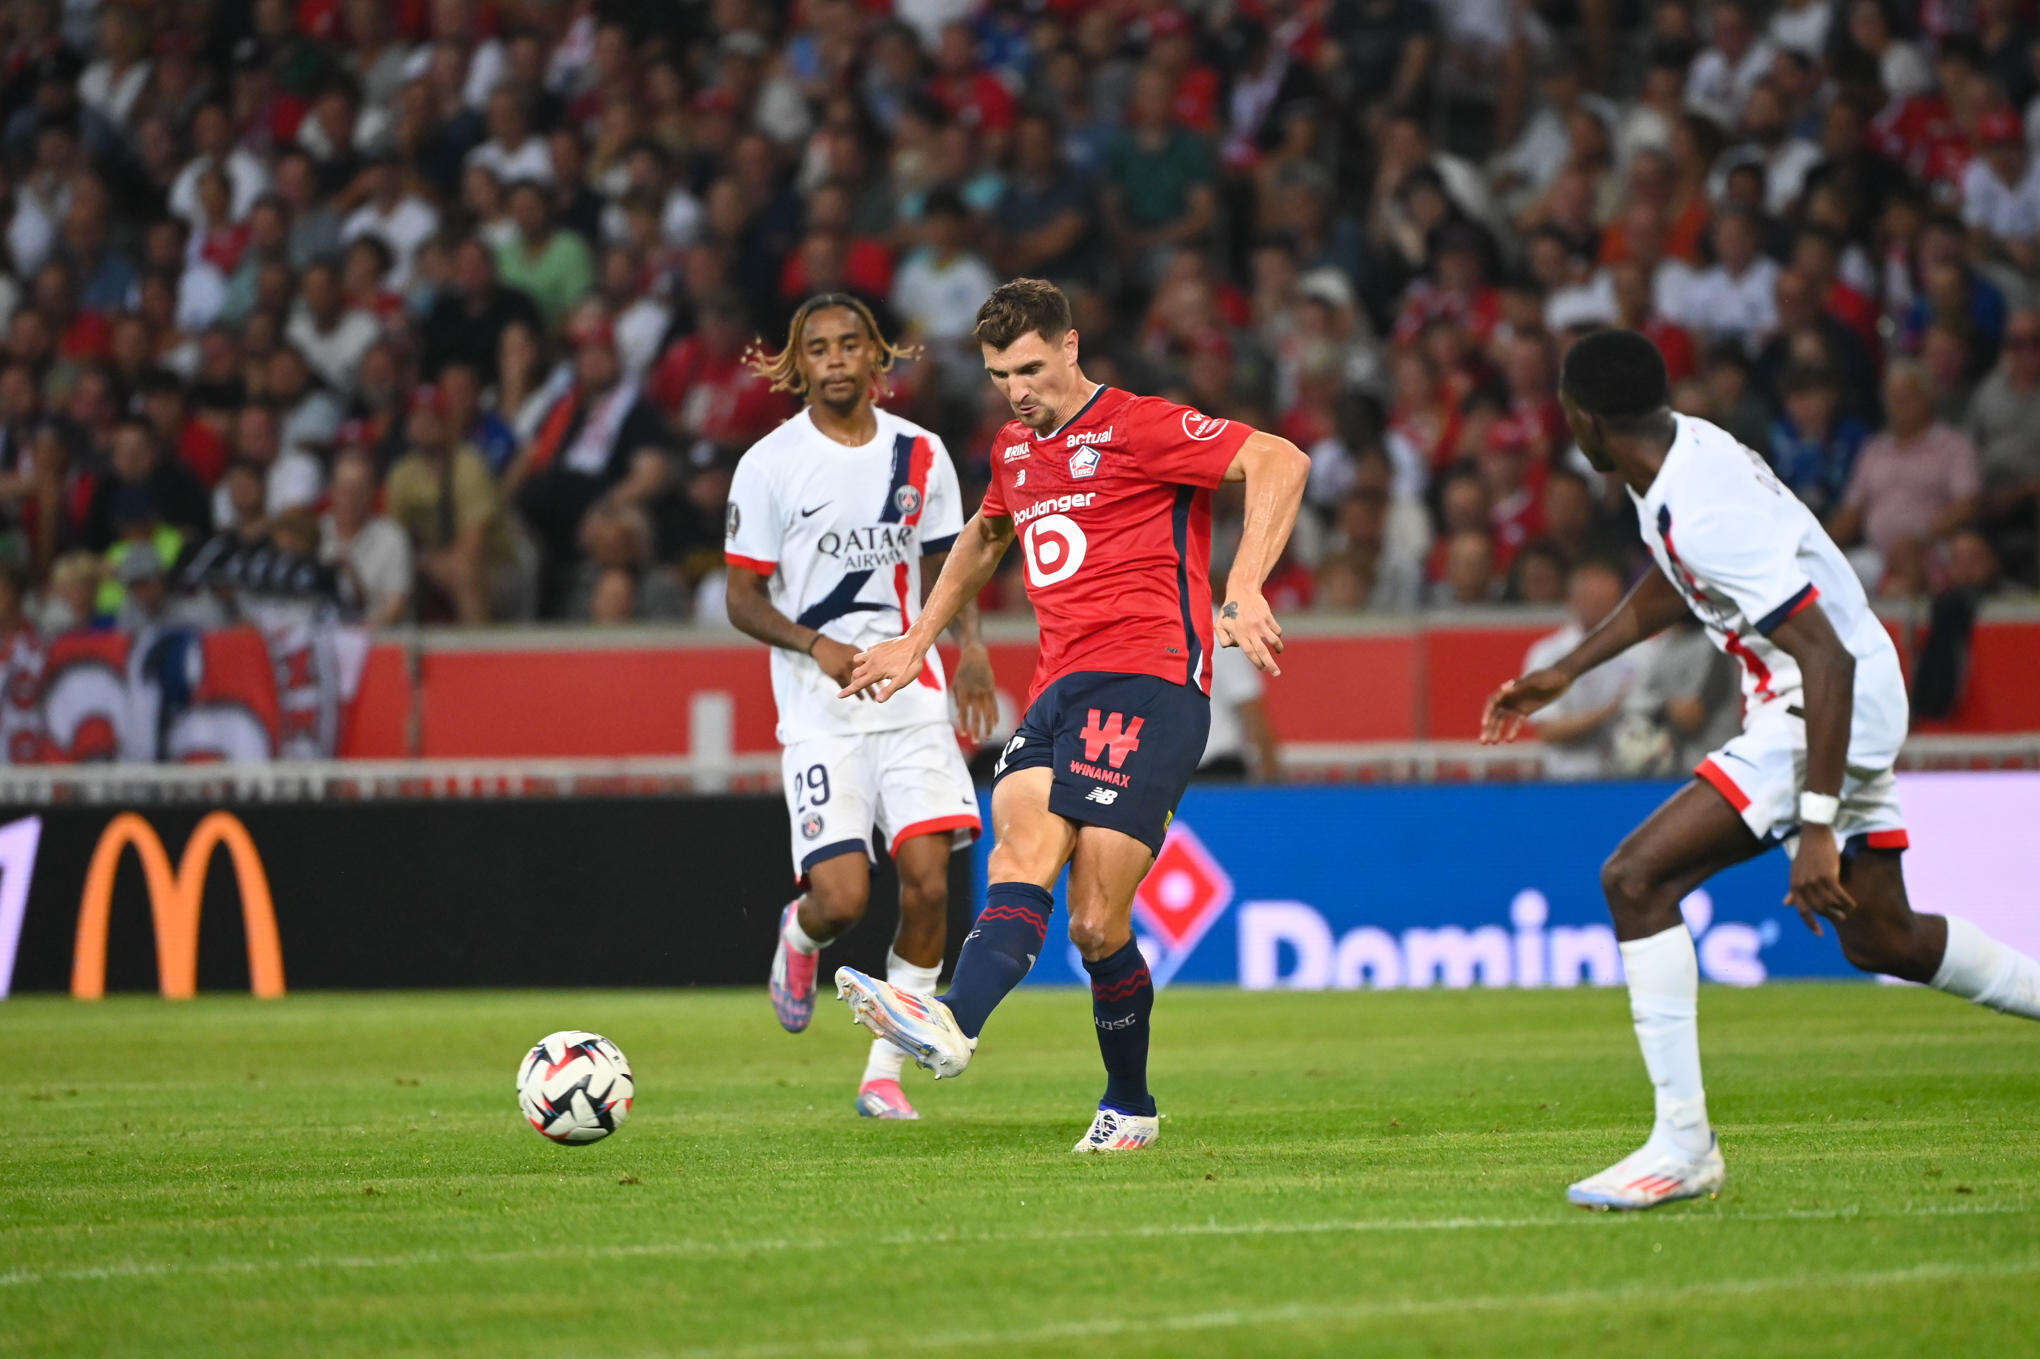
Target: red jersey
1114,515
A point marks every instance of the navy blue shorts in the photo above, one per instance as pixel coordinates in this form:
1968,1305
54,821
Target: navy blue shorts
1122,749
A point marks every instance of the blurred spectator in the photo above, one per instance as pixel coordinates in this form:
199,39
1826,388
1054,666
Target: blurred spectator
371,546
1915,483
1378,542
940,287
1578,728
443,496
392,214
1469,580
1813,443
331,337
2001,193
1159,180
602,442
1682,705
1046,218
1727,71
1737,298
2005,426
142,479
287,479
550,265
1538,575
469,322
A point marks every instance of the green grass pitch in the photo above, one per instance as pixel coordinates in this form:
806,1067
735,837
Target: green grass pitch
1339,1174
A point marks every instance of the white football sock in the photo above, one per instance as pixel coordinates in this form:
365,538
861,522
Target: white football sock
1979,968
797,938
1664,1002
887,1060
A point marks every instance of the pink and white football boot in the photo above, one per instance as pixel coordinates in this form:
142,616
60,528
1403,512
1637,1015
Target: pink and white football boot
793,978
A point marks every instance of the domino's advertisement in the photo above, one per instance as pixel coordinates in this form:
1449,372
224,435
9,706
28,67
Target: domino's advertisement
1499,885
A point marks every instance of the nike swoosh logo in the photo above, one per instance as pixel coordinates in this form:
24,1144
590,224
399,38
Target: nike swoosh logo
1030,960
816,510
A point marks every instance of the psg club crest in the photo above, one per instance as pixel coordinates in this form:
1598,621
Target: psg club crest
908,499
1084,463
1181,898
811,825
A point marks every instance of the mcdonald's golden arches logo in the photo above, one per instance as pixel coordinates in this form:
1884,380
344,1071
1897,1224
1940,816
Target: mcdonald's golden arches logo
174,899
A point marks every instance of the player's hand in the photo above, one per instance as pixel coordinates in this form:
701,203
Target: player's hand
977,705
888,667
1817,879
1248,623
1509,706
836,659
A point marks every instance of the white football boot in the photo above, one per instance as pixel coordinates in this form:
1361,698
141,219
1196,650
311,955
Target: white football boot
921,1026
1651,1176
1114,1131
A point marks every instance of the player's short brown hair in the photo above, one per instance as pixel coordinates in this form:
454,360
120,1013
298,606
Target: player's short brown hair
1023,306
782,369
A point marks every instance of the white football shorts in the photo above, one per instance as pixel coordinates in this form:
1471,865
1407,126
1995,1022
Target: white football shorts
906,782
1762,771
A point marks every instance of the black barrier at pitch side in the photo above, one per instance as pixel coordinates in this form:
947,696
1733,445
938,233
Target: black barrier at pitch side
538,893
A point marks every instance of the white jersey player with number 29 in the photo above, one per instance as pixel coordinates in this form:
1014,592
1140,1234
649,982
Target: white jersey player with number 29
830,519
1824,717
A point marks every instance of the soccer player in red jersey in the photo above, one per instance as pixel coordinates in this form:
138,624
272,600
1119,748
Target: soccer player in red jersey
1110,496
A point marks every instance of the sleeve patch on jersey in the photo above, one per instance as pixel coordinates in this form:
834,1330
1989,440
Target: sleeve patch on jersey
751,563
943,544
1802,597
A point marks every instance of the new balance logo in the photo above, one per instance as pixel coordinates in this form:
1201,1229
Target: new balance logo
1104,797
1021,479
1114,735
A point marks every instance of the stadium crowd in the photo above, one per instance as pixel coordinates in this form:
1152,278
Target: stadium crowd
457,293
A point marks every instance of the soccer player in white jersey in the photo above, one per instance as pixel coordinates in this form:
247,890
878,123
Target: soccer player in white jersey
831,516
1824,717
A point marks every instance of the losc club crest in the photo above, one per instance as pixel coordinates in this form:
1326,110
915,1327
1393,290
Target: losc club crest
1178,902
908,499
811,825
1084,463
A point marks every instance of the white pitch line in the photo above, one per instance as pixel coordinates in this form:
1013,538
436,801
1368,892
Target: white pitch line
142,1269
1236,1318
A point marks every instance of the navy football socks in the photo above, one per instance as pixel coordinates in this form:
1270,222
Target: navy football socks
1002,945
1122,998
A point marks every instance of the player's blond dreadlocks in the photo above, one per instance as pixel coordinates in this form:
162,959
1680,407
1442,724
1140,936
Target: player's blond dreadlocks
782,369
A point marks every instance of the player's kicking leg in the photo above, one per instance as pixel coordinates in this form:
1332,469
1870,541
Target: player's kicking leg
1030,847
1686,841
913,965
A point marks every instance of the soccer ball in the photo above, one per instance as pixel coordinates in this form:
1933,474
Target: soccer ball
575,1087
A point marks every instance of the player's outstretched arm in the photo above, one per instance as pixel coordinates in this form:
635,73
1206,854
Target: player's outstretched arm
751,611
973,557
1275,471
1650,607
1827,673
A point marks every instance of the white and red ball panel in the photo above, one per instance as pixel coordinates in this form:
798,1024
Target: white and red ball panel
575,1087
